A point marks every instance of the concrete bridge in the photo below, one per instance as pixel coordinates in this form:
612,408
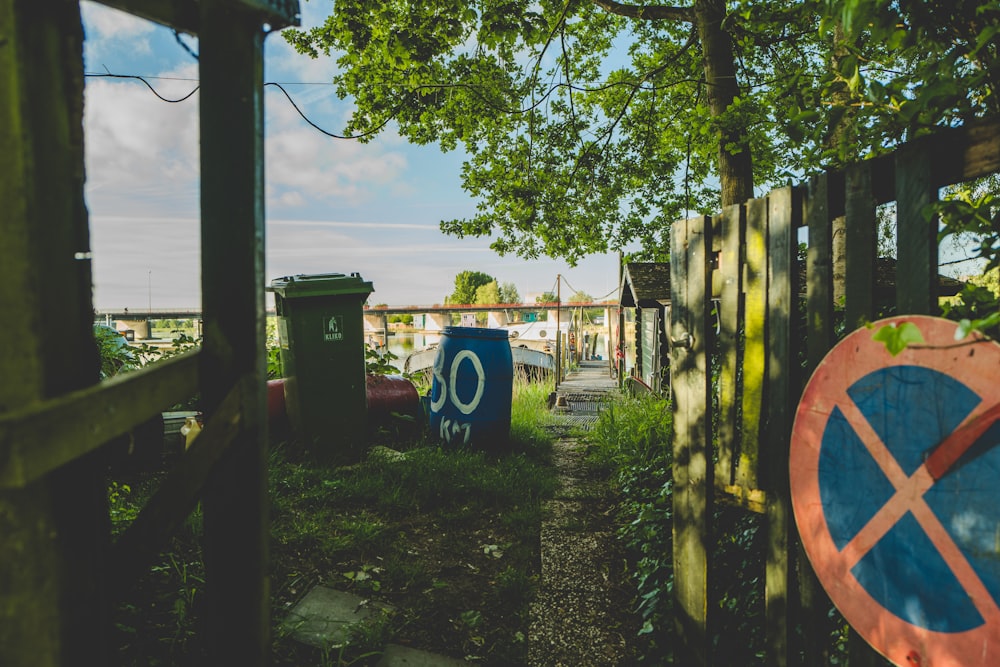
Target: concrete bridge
437,317
425,318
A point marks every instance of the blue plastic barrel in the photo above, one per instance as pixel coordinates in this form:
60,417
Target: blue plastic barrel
472,387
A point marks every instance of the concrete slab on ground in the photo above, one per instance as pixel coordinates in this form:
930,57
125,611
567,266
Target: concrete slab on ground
403,656
323,619
323,616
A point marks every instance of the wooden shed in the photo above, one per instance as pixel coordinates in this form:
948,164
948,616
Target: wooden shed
645,302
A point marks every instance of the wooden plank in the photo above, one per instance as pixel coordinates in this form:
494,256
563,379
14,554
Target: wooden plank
41,437
733,223
53,534
960,154
691,334
754,359
814,607
835,186
177,496
825,213
917,248
183,14
862,229
234,503
784,217
819,272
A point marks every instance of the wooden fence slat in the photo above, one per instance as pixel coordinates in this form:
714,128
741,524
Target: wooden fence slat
819,271
754,360
234,502
784,217
917,251
40,438
177,496
733,222
691,334
862,229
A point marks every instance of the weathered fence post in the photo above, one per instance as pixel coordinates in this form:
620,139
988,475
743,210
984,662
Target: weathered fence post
917,237
232,196
53,532
784,213
691,337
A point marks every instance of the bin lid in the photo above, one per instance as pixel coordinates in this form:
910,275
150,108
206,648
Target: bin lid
320,284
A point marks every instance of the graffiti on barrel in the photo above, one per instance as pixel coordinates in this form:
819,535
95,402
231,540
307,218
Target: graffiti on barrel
470,398
450,429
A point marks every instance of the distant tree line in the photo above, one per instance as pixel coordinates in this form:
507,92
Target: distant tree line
476,287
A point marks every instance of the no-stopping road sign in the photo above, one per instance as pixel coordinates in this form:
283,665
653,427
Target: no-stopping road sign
895,480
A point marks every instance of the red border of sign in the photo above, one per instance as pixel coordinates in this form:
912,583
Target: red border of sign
977,365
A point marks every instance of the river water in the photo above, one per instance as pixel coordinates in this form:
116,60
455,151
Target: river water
402,343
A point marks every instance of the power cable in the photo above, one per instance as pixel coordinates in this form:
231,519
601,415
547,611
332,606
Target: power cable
109,75
277,85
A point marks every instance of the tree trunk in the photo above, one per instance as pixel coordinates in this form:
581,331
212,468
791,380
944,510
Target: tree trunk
735,160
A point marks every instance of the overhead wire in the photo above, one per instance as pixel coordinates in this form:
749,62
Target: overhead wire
571,87
277,85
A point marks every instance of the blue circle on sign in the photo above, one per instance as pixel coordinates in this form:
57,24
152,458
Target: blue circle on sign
912,409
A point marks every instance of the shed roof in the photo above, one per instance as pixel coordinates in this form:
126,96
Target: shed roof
645,284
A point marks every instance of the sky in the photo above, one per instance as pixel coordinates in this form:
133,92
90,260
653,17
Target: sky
332,206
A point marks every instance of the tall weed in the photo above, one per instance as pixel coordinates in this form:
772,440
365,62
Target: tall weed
631,431
529,416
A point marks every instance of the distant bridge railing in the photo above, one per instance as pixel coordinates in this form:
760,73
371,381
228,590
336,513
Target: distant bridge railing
195,313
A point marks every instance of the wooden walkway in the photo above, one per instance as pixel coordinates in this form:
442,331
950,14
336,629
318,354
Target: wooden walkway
583,393
590,377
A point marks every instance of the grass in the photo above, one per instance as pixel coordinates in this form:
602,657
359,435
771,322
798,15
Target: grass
448,538
530,416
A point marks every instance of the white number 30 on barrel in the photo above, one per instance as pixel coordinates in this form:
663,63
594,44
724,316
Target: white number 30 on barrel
439,377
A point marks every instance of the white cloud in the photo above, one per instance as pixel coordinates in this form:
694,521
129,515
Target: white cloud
292,199
138,145
322,168
376,225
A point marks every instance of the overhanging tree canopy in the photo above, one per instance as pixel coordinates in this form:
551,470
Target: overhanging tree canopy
590,125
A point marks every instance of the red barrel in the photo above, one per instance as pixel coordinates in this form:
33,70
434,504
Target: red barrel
388,394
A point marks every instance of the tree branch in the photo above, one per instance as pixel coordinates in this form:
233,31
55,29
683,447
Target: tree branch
647,12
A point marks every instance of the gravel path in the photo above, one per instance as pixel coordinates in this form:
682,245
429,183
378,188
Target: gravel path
581,615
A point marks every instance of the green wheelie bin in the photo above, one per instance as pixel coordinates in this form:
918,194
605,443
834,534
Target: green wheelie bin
321,335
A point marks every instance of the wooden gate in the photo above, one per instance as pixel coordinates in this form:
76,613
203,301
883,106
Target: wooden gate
59,571
744,303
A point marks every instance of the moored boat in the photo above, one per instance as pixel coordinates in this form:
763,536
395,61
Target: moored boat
529,360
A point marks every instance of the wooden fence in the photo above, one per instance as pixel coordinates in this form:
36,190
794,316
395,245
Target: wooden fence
60,572
770,332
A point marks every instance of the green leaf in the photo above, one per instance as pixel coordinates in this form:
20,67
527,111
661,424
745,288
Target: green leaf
897,338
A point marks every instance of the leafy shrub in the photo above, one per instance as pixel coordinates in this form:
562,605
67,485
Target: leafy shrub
633,440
